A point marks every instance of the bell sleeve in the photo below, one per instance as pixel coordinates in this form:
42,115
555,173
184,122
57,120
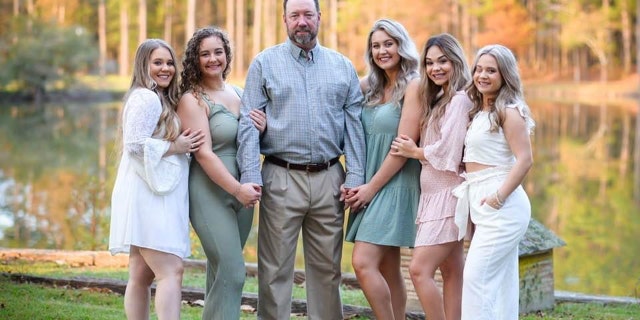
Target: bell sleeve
445,151
142,112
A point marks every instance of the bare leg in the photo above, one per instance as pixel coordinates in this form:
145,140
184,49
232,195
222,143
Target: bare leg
168,269
452,270
425,261
138,292
390,269
366,261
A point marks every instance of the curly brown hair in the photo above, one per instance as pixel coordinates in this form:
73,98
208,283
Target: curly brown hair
191,74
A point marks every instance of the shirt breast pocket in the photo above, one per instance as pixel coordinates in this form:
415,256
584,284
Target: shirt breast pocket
335,94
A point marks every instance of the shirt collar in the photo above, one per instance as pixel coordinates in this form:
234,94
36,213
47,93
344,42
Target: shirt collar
297,52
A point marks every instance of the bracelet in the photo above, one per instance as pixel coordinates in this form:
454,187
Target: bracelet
500,202
235,193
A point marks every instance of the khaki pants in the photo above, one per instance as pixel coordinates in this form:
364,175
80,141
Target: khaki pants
294,200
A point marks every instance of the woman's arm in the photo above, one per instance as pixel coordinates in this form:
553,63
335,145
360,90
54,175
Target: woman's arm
194,116
409,126
445,153
518,138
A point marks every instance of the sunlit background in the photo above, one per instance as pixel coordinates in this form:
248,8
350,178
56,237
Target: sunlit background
58,158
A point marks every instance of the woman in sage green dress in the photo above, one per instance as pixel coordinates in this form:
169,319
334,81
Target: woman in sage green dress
221,210
382,217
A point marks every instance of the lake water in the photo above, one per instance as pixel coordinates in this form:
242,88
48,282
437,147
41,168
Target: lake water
57,167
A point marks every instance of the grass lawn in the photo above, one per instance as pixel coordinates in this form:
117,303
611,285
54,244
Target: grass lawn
33,301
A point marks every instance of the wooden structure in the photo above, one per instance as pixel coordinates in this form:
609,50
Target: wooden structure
536,270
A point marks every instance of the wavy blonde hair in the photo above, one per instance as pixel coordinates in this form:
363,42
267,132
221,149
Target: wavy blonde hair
169,123
509,94
377,78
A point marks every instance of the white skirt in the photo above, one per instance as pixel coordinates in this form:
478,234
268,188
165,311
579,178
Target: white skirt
146,219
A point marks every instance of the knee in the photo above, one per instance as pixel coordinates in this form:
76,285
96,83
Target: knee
361,265
178,272
232,275
416,271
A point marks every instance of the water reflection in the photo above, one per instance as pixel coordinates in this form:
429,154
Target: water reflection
57,166
54,164
581,187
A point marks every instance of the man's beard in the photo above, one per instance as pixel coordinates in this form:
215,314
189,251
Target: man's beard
303,39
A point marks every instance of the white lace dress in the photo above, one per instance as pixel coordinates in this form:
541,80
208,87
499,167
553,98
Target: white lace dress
150,202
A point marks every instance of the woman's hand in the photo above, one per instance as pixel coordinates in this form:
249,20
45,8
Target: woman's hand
248,194
404,146
259,119
492,201
188,141
359,197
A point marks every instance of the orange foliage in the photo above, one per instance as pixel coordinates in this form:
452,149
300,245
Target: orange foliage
507,24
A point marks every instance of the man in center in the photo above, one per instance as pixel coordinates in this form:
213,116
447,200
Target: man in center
312,100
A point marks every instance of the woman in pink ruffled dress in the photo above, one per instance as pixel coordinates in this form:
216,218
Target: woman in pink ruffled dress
440,93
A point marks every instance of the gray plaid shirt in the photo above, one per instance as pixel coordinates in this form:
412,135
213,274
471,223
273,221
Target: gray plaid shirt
313,111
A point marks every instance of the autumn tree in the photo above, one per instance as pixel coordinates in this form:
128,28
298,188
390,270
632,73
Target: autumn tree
498,27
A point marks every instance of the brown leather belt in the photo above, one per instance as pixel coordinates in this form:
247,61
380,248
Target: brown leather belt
312,167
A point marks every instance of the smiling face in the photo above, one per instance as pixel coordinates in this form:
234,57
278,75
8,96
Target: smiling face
439,67
162,68
384,51
487,77
212,57
302,21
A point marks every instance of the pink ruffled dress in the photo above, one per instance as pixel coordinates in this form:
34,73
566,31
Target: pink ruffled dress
441,173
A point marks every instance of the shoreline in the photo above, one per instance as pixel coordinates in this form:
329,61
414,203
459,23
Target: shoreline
105,259
625,92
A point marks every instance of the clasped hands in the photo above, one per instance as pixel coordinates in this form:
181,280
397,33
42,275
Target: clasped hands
249,194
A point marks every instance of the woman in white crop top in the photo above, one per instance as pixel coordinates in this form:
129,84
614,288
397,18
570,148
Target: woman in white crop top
497,158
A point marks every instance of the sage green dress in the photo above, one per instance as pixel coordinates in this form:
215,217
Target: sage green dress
221,222
389,219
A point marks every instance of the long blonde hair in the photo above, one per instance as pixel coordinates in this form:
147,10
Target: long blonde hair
377,78
510,94
434,105
169,123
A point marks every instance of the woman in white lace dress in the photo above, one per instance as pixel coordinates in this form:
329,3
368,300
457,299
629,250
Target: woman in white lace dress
149,203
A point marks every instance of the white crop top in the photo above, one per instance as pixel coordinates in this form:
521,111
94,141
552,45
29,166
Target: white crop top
489,148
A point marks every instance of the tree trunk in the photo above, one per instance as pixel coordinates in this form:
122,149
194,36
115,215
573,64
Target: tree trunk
102,37
257,27
636,152
332,32
576,66
604,60
168,20
190,25
240,40
142,19
229,21
123,54
466,31
626,36
270,22
454,24
531,55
